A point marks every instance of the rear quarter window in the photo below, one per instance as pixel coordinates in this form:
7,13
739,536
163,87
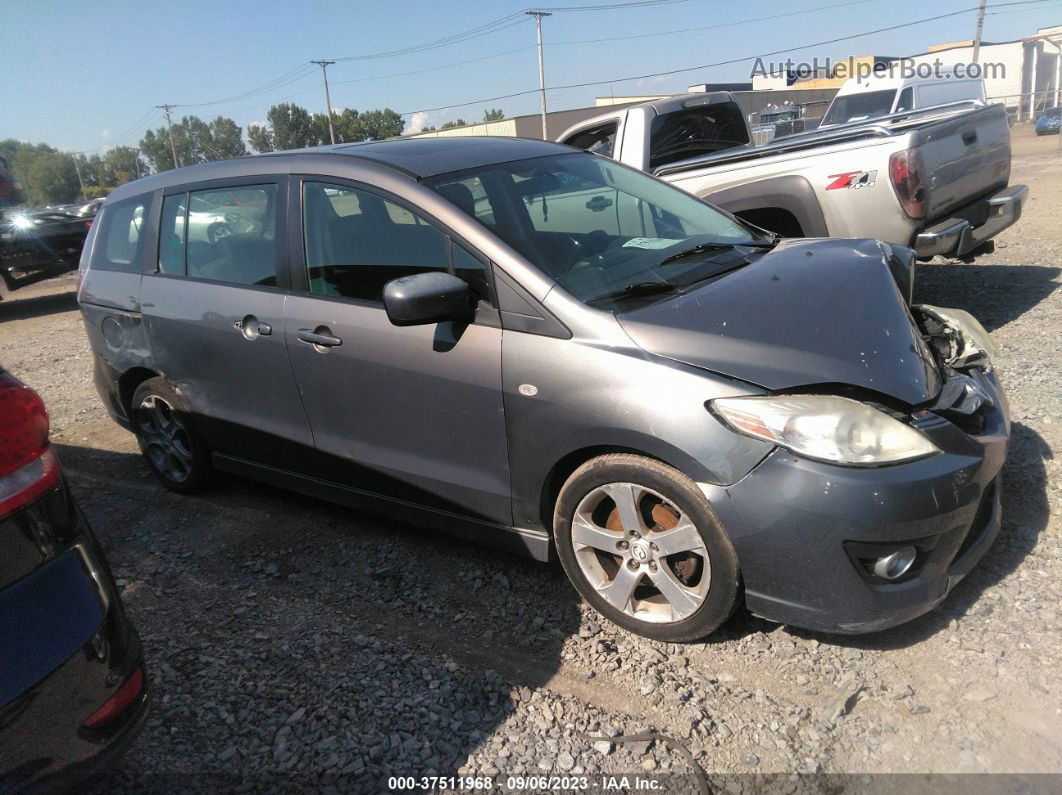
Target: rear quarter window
696,131
120,238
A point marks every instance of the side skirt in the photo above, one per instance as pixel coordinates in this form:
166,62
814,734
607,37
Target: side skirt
534,544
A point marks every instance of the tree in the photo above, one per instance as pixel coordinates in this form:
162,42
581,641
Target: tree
260,137
227,138
48,175
455,123
376,125
494,114
292,127
195,140
121,165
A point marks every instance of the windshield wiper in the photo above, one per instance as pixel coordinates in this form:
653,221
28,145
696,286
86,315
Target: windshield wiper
636,289
707,248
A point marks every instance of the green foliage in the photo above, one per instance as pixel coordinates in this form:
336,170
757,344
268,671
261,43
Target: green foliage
292,127
195,141
455,123
48,175
494,114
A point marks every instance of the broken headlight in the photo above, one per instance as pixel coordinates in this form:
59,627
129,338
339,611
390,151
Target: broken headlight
826,428
969,343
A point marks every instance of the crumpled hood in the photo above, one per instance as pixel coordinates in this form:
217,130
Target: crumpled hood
808,312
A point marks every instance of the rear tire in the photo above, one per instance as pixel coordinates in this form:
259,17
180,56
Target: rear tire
644,548
167,437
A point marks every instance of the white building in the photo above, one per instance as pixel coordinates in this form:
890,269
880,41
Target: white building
1025,75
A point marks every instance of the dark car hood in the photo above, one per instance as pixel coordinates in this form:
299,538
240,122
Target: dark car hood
808,312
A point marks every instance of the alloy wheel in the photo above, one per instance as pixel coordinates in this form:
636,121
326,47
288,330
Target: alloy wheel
165,438
641,553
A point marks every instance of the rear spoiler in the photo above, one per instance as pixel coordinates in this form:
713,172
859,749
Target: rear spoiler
881,127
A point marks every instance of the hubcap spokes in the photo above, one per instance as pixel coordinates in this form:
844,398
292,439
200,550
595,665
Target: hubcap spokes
641,553
165,438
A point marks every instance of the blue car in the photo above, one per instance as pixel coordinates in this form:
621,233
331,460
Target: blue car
1049,122
73,693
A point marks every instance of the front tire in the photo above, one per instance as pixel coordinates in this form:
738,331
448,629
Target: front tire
168,440
644,548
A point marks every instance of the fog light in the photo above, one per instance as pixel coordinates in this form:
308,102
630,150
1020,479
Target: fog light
894,566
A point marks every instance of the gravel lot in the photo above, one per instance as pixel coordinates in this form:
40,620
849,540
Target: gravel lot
294,643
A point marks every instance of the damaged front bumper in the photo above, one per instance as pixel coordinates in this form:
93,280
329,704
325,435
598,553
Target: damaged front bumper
807,533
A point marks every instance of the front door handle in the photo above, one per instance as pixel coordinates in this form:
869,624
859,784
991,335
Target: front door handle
320,337
969,137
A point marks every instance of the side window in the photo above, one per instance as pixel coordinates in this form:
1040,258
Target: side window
120,237
599,140
471,270
230,235
353,255
227,235
906,100
171,234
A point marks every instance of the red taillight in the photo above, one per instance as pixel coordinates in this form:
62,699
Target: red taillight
116,704
28,466
905,171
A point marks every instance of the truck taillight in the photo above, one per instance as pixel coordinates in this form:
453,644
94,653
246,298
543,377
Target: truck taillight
906,173
28,465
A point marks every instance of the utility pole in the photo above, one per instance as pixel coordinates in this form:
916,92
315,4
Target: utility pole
980,27
328,100
538,14
77,167
136,160
166,111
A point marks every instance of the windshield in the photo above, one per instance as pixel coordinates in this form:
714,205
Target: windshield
598,227
857,107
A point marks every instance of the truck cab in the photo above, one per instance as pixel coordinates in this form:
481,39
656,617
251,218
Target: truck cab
664,131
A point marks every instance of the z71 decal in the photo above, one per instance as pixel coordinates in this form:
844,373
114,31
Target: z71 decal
852,179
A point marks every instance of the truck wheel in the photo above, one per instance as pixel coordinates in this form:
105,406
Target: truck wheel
167,438
644,547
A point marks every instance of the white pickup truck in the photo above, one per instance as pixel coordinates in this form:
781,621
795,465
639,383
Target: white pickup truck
935,180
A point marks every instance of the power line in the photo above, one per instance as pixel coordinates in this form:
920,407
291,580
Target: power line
300,72
784,50
614,6
718,63
712,27
495,26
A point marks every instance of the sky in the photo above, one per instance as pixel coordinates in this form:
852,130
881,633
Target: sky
84,76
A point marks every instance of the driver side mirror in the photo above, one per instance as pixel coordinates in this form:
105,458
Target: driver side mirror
425,298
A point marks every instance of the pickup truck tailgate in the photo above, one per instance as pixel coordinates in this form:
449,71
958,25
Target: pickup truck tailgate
964,159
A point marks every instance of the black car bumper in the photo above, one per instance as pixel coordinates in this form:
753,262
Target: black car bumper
807,533
66,648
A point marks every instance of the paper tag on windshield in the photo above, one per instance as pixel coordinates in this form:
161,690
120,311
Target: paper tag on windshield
650,242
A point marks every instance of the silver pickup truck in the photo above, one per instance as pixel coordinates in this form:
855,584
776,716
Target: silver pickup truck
936,180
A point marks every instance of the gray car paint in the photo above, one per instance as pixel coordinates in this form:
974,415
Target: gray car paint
639,382
822,312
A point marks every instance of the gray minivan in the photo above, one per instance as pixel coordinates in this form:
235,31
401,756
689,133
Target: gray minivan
691,413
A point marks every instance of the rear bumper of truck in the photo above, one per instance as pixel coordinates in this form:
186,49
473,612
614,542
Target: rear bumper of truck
973,226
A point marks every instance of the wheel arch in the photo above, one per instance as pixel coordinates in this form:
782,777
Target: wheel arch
792,195
563,469
127,386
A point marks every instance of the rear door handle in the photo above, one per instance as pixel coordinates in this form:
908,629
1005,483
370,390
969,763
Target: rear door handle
969,137
320,336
